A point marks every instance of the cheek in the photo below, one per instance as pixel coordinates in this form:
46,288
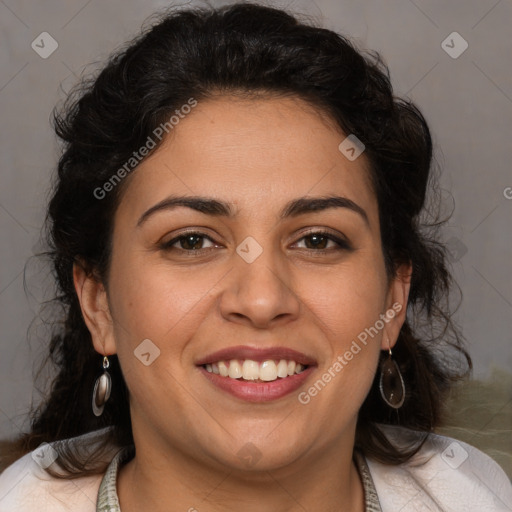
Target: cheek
347,300
156,313
347,308
152,301
349,304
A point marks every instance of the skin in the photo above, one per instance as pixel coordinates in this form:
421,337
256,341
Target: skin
256,154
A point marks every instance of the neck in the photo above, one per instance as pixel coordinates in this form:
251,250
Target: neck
170,480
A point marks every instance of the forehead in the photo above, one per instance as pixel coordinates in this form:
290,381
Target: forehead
253,153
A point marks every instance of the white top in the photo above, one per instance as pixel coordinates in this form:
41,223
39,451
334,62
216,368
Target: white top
446,475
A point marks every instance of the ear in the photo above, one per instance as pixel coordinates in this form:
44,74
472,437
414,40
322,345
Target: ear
95,309
396,305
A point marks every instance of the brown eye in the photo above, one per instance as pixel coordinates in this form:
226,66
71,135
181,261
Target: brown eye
316,241
319,241
189,242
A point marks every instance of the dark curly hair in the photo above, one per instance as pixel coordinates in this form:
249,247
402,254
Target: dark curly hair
248,50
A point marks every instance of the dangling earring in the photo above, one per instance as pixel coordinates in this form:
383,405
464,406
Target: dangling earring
391,383
102,388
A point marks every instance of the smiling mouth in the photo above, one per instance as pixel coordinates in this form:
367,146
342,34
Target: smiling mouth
253,371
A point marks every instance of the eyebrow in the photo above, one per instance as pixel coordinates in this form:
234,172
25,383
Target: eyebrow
294,208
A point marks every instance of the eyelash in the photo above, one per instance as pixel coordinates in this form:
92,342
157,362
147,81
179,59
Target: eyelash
343,245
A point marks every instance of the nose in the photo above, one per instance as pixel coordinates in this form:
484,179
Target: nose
260,293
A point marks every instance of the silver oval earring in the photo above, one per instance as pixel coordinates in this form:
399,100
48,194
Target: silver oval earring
391,383
102,388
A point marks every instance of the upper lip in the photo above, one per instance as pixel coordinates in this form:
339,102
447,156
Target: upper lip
256,354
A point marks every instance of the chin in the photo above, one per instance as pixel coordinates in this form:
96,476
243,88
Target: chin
253,453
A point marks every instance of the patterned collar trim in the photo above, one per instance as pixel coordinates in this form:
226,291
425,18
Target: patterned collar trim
371,499
107,494
108,500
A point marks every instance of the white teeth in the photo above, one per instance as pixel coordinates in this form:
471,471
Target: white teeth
235,369
282,369
250,370
223,369
268,371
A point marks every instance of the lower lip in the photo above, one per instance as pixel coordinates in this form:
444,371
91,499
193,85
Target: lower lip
258,391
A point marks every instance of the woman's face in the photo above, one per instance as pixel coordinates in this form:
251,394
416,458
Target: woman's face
258,278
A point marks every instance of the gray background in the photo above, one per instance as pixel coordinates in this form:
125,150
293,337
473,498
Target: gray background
466,100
